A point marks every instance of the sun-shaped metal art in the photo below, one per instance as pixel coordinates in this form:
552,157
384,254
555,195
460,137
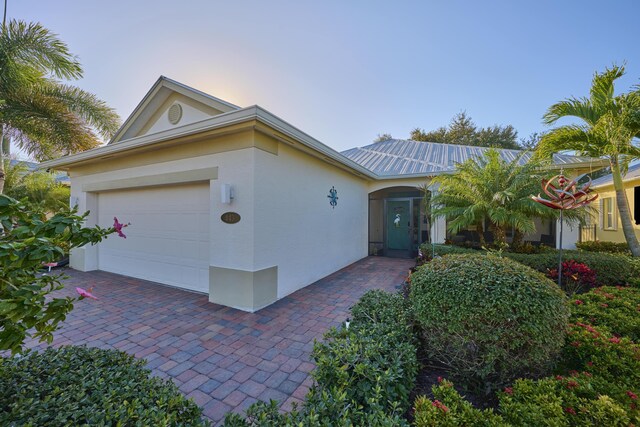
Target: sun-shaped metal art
565,194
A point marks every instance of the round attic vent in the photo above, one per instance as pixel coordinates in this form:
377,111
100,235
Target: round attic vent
174,114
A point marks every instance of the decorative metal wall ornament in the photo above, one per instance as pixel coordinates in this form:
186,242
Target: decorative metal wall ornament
333,197
563,196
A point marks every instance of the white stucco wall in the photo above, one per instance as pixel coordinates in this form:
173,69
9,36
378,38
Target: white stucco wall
295,226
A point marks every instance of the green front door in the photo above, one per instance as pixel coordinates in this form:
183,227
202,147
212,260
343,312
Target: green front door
398,225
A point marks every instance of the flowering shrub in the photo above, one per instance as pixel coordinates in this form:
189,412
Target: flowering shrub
28,240
576,277
488,319
615,308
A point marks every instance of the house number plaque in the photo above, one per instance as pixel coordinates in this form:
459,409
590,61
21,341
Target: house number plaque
230,217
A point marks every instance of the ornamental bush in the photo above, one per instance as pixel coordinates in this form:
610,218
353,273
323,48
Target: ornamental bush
75,386
617,309
611,269
576,277
488,319
608,247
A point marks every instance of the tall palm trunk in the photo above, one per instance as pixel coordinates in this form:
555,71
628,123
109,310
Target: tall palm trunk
2,157
623,209
480,229
518,238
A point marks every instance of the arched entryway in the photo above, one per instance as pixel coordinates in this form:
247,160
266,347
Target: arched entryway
399,221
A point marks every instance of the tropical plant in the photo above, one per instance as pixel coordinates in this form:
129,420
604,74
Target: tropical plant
28,240
610,128
38,187
491,188
42,115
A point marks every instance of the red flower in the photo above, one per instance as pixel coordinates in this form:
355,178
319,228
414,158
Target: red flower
440,405
579,302
589,363
559,377
572,384
508,390
570,411
603,305
587,374
573,373
614,340
632,395
575,344
440,379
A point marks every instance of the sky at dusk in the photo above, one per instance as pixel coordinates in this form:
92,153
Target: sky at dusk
345,71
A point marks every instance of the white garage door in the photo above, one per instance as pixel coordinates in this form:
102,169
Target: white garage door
168,239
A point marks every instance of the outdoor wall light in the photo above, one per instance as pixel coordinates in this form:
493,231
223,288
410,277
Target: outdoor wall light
227,194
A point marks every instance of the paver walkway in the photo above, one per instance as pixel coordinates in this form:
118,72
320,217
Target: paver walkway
223,358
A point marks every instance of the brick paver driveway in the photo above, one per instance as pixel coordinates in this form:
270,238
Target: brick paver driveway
223,358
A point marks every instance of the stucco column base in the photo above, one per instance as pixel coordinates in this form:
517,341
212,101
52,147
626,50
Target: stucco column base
245,290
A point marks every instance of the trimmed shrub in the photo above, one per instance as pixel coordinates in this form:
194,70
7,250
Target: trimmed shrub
364,374
615,308
608,247
441,250
561,401
610,269
489,319
88,386
376,355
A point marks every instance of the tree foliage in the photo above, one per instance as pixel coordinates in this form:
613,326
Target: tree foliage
38,187
463,131
489,188
609,127
42,115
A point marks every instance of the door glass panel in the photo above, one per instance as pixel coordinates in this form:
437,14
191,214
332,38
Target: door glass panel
398,225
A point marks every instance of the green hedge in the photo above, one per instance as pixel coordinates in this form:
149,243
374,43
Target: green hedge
610,269
74,386
615,308
363,376
608,247
488,319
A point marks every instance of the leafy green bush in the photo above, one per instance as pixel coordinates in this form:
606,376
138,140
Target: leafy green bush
610,269
615,308
328,410
449,409
489,319
373,361
552,401
364,373
28,239
442,250
608,247
88,386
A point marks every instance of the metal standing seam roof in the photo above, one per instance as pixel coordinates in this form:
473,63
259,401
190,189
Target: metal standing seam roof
395,157
632,172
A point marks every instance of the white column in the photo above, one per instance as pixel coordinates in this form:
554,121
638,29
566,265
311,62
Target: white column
570,235
85,258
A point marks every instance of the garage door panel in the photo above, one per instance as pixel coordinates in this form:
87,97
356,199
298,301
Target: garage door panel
168,240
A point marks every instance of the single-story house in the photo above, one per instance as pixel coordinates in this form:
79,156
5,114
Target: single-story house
241,205
606,225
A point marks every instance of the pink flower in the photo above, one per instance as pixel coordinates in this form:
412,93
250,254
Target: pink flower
632,395
572,384
508,390
86,294
614,340
570,411
118,227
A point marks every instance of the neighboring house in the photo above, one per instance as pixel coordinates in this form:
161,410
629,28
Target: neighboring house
239,204
61,178
607,226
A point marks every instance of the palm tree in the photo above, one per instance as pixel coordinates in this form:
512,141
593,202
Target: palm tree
610,128
490,188
43,116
